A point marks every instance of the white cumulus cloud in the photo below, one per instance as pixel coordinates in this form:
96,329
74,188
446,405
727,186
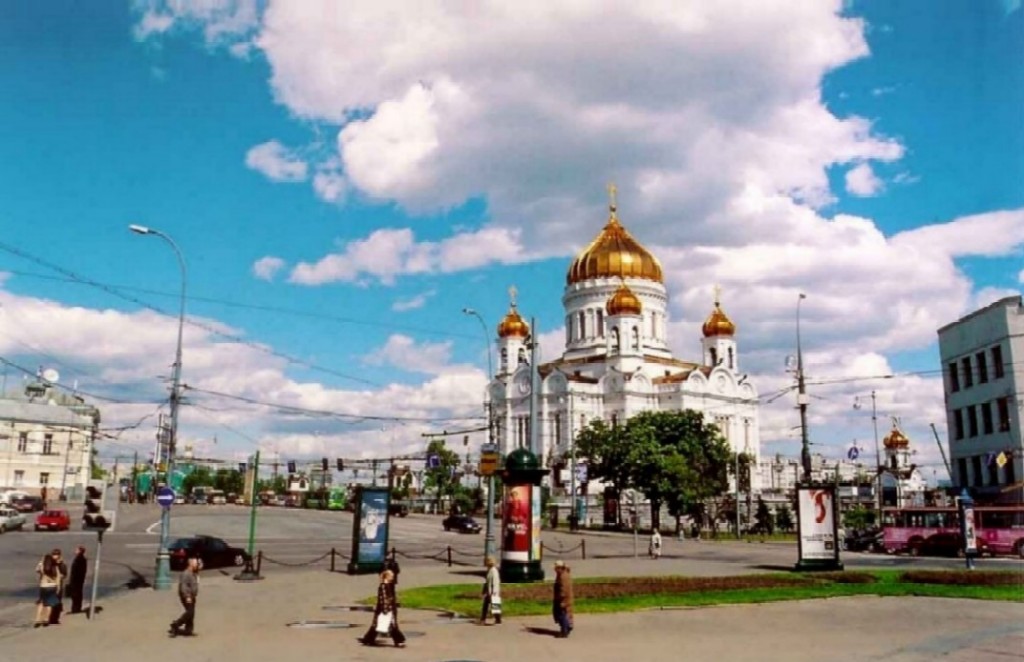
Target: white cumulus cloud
862,181
267,267
276,162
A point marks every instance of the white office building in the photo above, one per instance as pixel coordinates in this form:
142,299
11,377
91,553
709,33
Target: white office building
983,370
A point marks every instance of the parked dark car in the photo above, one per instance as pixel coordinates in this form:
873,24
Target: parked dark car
213,552
461,524
398,508
28,504
870,540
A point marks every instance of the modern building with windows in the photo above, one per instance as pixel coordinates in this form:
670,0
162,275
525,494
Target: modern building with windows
46,442
983,374
616,360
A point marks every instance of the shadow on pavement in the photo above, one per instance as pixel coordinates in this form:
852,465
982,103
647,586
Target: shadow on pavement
547,632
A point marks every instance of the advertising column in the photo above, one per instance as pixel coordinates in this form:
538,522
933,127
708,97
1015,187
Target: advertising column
818,528
521,518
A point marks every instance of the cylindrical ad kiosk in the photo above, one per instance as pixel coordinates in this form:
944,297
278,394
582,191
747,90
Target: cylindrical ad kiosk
521,518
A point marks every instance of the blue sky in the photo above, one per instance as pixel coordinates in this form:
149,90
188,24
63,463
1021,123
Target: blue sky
867,153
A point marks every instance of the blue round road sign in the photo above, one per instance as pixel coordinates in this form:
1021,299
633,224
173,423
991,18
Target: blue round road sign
165,497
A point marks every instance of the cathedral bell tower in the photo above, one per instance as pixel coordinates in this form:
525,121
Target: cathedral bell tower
512,334
719,342
624,341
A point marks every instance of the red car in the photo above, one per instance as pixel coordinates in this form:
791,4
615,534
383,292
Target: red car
53,520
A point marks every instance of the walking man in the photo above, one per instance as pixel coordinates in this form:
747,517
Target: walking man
491,593
654,548
188,591
76,583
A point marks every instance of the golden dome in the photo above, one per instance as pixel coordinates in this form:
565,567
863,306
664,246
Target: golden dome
718,323
896,438
623,302
513,325
614,253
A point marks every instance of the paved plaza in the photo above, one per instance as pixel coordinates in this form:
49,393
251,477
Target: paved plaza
250,621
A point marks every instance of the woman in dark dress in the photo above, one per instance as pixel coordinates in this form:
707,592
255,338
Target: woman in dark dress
387,608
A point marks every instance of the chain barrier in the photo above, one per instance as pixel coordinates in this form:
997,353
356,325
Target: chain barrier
296,565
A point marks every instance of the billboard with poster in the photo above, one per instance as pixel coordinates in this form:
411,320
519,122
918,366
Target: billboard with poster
517,517
817,528
370,529
535,522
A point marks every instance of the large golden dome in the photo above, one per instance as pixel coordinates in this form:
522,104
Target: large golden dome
513,324
623,302
614,253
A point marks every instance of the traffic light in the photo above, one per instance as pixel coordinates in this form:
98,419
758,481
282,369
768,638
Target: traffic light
325,464
341,464
241,467
291,466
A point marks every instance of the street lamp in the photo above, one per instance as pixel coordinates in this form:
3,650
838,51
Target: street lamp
163,565
878,454
489,550
801,398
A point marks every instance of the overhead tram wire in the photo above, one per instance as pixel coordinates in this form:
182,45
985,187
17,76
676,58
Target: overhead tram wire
257,307
206,327
331,414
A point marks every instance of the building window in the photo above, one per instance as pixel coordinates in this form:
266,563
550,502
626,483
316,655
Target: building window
600,323
19,478
979,478
1003,408
954,378
504,360
732,365
714,356
583,325
23,442
558,430
958,424
979,358
962,470
48,444
1011,478
993,473
997,362
972,421
44,478
965,364
986,418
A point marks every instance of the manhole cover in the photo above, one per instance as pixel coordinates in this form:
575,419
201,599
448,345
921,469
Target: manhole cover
310,625
362,608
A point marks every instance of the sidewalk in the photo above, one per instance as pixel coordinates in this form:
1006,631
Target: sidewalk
248,621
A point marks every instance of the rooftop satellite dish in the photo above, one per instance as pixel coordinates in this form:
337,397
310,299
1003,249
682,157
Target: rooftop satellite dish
51,375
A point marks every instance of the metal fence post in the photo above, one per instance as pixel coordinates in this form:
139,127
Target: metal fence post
449,556
259,561
583,546
332,559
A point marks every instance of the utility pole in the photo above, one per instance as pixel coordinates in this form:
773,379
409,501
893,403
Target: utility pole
737,494
801,399
534,393
64,476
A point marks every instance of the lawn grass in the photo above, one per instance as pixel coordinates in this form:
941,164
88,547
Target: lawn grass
534,600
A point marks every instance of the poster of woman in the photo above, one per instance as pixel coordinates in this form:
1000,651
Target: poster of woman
516,529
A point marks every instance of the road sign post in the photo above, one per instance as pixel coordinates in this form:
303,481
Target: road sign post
165,497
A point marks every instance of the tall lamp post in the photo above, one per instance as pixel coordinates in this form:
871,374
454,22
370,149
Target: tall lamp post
163,565
878,454
489,549
801,399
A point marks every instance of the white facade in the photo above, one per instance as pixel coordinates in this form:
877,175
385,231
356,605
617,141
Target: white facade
983,370
617,363
46,442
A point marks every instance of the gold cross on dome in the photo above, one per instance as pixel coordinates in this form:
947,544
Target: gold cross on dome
718,294
612,190
512,292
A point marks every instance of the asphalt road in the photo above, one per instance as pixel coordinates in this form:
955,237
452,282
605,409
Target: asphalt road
293,540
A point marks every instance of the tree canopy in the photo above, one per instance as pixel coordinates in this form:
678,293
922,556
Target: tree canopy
672,457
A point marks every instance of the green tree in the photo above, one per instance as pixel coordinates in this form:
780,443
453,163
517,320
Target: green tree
763,518
672,457
442,478
200,476
96,472
784,518
275,485
229,480
857,517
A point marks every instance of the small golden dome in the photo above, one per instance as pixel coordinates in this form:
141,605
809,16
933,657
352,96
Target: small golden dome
623,302
513,325
718,323
896,438
614,253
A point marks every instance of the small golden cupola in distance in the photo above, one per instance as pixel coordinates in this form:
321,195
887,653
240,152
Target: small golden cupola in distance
718,323
623,302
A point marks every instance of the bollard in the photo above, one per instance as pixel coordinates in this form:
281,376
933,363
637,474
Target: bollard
259,562
332,559
583,546
449,556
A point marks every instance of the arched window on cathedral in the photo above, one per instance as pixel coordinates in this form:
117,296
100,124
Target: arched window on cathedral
636,338
599,331
615,340
713,354
731,366
568,329
654,324
504,360
583,325
522,356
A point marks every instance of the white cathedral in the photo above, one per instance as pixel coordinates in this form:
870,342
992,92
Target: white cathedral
617,362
